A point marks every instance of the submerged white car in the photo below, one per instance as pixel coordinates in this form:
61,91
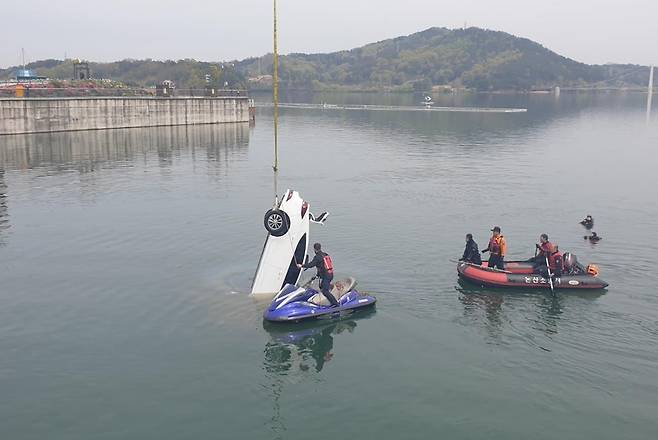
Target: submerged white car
286,244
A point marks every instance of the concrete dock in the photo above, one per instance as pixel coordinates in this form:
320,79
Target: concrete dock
48,115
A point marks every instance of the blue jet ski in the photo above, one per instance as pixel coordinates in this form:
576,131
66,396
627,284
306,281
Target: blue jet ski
294,304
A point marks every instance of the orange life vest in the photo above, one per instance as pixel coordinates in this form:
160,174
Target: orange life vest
547,249
555,261
498,246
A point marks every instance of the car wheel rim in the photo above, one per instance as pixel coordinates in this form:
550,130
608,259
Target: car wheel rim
275,221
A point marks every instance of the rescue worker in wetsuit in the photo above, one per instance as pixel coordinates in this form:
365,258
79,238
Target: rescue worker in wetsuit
471,252
588,222
497,248
322,261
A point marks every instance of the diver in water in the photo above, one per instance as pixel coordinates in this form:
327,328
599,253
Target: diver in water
588,222
325,267
592,238
471,252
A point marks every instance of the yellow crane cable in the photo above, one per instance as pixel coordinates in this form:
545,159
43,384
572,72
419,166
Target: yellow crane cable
276,97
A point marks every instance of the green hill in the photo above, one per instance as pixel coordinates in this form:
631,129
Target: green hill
470,58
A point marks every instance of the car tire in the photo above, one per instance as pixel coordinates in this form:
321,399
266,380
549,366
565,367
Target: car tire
276,222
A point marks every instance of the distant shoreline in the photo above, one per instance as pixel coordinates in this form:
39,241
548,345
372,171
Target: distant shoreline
341,89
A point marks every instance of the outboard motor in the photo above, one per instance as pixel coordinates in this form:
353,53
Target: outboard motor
570,262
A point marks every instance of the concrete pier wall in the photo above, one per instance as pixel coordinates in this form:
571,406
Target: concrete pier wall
47,115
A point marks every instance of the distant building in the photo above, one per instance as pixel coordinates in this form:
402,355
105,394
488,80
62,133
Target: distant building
166,88
81,70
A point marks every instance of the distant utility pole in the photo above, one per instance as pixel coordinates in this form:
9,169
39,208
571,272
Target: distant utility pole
649,93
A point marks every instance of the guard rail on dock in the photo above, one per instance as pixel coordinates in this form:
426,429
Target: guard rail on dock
46,91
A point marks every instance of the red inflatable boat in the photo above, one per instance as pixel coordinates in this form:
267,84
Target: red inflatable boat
520,274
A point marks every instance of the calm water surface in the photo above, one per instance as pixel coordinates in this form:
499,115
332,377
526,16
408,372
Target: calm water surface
126,257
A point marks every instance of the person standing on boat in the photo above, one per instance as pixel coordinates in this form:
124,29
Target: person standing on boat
471,252
497,248
325,267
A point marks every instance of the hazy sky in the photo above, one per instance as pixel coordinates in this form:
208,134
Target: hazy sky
591,31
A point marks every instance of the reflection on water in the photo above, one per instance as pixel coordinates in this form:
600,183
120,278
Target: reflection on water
487,308
563,102
477,130
85,151
295,350
488,304
299,351
99,162
296,353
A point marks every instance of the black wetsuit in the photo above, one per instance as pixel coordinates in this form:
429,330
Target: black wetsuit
471,253
325,277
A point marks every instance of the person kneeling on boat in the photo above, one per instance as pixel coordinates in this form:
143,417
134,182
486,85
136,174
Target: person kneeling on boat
547,252
471,252
325,268
498,248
